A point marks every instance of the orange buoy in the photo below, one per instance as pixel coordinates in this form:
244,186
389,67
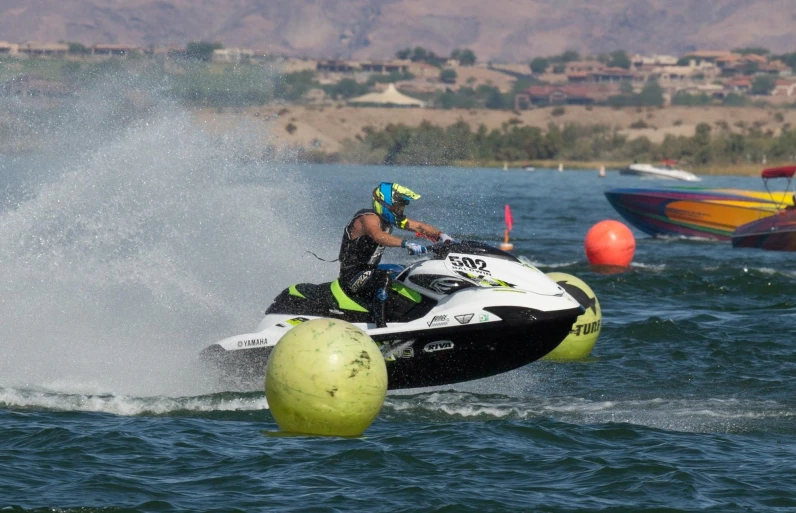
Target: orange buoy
610,243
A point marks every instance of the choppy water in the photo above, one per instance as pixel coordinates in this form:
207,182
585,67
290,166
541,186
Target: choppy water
119,262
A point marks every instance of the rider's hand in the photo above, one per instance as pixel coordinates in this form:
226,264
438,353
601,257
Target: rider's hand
445,238
414,248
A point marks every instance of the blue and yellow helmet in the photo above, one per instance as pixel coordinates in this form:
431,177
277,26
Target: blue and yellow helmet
389,201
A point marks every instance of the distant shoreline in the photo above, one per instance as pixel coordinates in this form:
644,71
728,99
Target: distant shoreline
326,129
568,165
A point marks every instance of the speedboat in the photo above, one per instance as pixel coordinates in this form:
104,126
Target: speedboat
468,311
665,171
776,232
693,211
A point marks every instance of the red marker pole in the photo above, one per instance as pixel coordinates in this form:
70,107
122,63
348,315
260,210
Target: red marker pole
506,245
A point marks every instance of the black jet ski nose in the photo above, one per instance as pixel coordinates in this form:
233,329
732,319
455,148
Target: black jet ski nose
517,315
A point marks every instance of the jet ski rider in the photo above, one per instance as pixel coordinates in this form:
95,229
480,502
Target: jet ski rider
364,240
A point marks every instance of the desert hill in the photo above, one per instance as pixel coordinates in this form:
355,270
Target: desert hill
328,128
498,30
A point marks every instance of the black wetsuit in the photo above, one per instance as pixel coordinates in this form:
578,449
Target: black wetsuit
359,274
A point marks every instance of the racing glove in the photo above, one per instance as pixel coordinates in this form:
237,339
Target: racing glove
444,237
414,248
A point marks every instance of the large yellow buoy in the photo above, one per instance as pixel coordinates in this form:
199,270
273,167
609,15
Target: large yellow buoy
583,335
325,377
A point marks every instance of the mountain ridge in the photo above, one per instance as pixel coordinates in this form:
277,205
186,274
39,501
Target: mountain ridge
500,30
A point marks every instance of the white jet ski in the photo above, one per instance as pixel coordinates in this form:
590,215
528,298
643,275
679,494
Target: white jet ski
469,311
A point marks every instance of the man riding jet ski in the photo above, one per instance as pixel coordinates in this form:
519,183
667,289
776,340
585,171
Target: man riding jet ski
365,238
468,311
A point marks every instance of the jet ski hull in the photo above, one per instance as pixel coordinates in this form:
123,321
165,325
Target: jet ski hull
469,312
436,357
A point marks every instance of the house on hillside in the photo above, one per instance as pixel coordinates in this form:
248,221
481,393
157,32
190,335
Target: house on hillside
648,63
387,67
36,49
708,55
612,75
369,67
775,67
738,85
114,50
583,67
569,94
231,55
784,88
676,76
714,91
336,66
7,48
582,71
734,65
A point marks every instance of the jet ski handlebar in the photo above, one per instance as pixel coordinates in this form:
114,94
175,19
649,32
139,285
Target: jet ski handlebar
441,250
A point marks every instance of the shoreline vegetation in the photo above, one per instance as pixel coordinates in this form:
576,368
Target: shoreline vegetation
752,170
704,139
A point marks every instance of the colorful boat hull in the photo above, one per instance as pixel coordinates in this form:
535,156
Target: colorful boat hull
694,211
774,233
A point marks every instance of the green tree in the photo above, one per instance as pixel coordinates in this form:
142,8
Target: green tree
735,100
448,76
521,85
691,99
539,65
495,100
293,86
701,144
763,84
652,94
347,88
640,148
750,68
788,58
78,49
619,59
733,146
553,140
756,50
403,54
202,50
425,147
569,56
460,141
466,57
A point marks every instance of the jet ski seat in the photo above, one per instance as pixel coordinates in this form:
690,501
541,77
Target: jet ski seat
328,299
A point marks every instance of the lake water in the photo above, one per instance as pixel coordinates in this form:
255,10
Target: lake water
120,261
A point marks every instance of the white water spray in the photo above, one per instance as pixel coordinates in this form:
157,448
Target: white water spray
140,246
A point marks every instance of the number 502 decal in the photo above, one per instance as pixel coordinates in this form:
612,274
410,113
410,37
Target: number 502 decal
468,262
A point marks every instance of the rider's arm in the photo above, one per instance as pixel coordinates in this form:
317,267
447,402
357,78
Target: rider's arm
423,228
372,226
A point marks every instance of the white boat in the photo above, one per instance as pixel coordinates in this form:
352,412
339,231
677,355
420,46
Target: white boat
665,171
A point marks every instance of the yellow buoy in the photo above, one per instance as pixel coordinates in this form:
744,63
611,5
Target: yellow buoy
581,339
325,377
